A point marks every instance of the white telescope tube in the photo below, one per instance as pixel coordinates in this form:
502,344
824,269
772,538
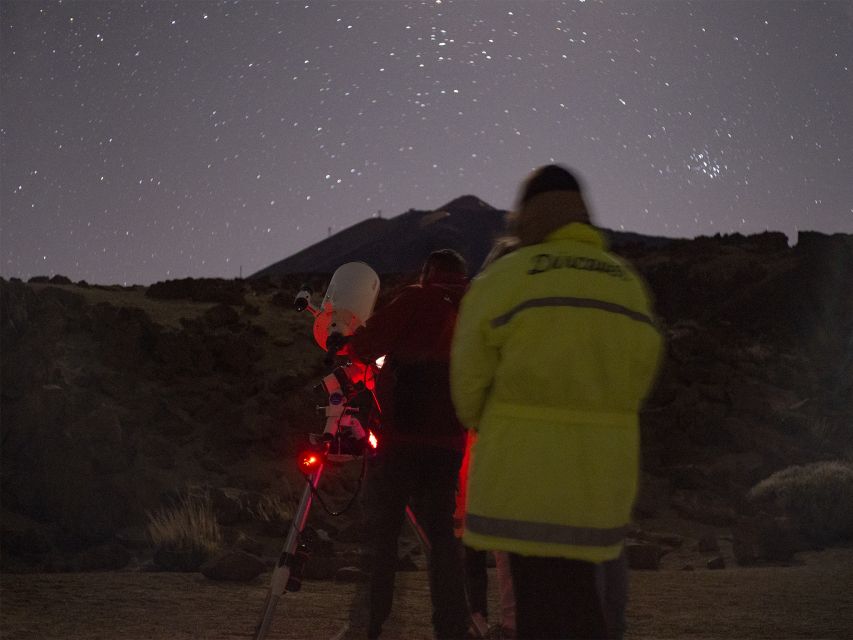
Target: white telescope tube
348,302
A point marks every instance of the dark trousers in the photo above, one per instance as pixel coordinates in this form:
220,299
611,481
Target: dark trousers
477,581
613,590
556,598
426,478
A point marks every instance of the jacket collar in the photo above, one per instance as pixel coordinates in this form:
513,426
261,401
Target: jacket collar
447,280
449,283
580,232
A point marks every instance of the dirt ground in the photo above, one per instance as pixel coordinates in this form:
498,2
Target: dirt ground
812,598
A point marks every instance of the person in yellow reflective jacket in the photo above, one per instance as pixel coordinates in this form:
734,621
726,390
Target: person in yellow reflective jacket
556,347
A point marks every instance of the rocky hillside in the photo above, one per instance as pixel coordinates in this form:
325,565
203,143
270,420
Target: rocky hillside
117,400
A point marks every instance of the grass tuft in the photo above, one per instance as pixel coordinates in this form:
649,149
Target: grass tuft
273,509
187,527
818,495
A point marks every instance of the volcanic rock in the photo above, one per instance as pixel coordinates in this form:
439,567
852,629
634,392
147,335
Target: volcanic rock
643,556
108,399
234,566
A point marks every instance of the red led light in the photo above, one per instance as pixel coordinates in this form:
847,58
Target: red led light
310,460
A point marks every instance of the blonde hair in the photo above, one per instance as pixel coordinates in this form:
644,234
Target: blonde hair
501,246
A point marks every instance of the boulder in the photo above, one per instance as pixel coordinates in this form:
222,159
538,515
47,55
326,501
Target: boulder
248,544
716,563
234,565
179,560
643,556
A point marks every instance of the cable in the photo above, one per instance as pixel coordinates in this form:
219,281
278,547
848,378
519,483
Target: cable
349,504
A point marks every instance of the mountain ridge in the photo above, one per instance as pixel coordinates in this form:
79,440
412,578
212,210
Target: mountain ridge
401,244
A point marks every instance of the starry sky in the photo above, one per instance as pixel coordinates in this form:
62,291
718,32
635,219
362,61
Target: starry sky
152,140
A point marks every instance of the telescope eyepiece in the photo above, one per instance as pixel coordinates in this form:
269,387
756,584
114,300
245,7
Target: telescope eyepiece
302,299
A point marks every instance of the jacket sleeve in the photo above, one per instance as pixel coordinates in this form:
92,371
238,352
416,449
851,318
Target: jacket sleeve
473,360
383,331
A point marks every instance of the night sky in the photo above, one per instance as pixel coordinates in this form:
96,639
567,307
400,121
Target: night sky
145,141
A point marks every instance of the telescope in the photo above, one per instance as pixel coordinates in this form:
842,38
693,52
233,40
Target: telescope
352,418
351,414
349,300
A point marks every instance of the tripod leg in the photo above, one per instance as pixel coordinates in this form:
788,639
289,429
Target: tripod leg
281,573
419,531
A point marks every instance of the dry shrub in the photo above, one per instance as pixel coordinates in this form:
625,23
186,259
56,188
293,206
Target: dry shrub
189,526
819,496
273,509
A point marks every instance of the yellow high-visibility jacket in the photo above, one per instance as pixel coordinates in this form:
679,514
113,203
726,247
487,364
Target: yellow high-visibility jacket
555,348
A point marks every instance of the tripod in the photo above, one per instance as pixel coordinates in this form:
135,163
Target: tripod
344,438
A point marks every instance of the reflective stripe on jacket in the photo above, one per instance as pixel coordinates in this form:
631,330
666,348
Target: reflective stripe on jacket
555,349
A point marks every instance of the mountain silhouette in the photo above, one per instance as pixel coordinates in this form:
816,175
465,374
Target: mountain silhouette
400,244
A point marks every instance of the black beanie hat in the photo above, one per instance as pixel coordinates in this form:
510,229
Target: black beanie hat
551,177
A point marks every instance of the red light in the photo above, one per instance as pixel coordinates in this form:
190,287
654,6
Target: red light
310,461
372,439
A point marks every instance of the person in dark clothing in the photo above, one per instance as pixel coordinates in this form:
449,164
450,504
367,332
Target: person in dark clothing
421,442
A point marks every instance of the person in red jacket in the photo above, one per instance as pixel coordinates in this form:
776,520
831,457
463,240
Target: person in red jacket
421,442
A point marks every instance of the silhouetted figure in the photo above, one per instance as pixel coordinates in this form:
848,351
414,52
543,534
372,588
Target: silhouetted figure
421,443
